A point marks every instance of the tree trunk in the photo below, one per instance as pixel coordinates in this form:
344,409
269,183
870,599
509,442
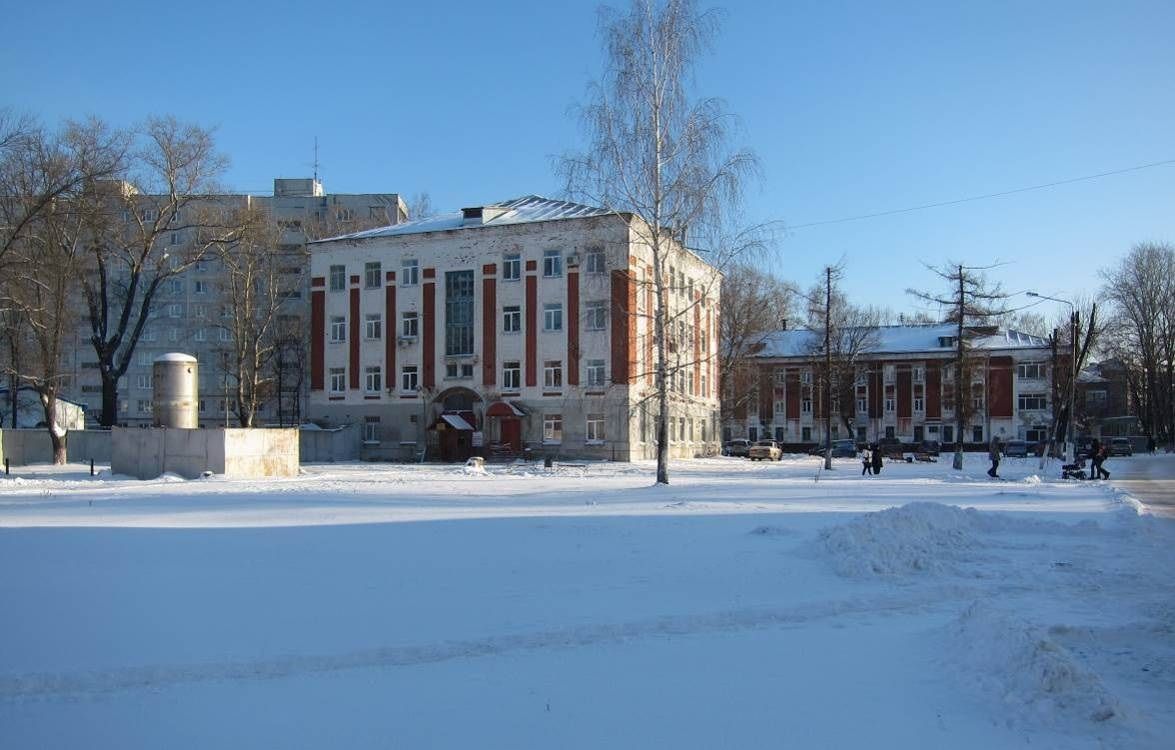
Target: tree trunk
662,367
57,435
109,416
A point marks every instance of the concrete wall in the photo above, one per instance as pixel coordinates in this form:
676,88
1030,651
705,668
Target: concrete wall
328,446
32,446
235,453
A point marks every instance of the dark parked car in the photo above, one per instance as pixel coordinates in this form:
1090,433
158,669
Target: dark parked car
929,448
1120,446
891,448
737,447
1084,447
840,449
1016,449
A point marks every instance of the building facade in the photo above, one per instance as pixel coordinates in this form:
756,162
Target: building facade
190,309
904,386
511,328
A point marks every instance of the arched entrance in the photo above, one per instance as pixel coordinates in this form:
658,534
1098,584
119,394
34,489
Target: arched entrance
457,428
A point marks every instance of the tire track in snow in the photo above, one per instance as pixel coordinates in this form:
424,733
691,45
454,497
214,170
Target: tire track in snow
50,685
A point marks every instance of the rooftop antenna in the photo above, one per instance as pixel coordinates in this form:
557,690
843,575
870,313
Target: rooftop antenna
316,158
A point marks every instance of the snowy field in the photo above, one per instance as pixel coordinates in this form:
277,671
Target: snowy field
746,605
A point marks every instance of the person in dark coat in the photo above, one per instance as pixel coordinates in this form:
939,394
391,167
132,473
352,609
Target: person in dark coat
993,452
1099,465
866,461
1150,443
876,460
1096,456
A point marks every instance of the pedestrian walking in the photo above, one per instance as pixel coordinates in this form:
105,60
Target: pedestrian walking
876,460
1150,444
1100,456
1095,459
993,452
866,460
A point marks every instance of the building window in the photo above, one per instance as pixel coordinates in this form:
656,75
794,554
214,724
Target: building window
919,404
1033,401
593,261
408,325
552,263
175,311
806,406
919,374
512,319
173,334
595,428
144,405
553,373
338,278
1095,397
806,377
199,335
511,375
596,315
861,408
512,267
409,272
338,329
338,379
200,287
458,312
889,404
595,373
1030,370
552,428
977,403
408,378
144,381
175,286
889,373
200,311
553,317
373,379
374,326
977,434
371,431
372,273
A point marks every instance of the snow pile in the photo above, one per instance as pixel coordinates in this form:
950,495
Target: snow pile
1025,669
915,538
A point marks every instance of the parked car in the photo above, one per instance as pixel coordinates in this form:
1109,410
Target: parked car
1016,449
840,449
766,450
737,447
929,448
1120,446
1085,447
891,448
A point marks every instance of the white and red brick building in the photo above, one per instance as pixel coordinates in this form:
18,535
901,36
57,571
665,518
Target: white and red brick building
905,387
506,327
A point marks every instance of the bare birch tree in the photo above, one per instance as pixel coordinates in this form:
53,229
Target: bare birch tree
971,301
658,157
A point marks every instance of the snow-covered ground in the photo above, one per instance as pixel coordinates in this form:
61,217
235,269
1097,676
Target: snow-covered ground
745,605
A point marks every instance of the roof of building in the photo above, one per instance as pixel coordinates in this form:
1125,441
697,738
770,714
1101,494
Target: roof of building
524,210
900,340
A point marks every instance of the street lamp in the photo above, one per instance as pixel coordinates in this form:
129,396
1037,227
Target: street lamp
1070,439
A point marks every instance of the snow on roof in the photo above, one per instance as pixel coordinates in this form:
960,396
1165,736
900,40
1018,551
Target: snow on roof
899,340
456,421
175,357
529,208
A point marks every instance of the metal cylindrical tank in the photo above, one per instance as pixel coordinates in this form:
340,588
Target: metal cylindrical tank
174,391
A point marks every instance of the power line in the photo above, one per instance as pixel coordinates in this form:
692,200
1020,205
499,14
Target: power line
981,197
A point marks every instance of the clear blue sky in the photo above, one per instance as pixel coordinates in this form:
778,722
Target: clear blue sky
853,108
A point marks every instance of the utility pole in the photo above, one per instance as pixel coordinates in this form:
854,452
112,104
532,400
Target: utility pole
1074,323
959,394
828,368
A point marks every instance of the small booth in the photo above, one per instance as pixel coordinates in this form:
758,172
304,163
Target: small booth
455,435
504,429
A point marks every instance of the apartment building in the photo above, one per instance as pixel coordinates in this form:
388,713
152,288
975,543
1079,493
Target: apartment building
189,311
510,328
905,386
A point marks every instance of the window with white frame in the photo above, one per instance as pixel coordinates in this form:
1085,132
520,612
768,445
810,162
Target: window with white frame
371,430
596,315
552,263
409,272
409,378
143,381
1030,370
919,373
511,375
144,405
373,379
593,260
373,275
511,267
200,335
200,311
409,327
595,373
919,404
948,373
173,334
338,278
511,319
1033,401
552,428
338,379
595,428
373,326
889,404
705,386
338,329
889,373
553,316
806,406
806,377
175,310
175,286
200,287
553,373
861,406
149,334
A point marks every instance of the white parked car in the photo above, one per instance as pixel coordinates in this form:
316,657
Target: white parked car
767,450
